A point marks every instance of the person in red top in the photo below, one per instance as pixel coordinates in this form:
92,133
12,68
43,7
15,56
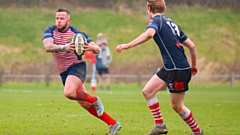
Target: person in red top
57,39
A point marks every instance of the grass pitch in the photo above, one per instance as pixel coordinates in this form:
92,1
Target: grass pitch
33,109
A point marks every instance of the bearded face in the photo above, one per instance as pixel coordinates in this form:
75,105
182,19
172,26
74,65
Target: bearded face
62,21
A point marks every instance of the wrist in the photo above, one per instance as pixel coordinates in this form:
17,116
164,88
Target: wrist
96,49
193,66
62,47
127,46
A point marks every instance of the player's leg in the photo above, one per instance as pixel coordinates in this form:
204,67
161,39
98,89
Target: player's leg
149,91
178,106
112,123
178,88
72,91
73,87
73,79
86,105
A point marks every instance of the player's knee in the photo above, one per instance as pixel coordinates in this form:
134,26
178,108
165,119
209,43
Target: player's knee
174,106
177,107
69,94
145,93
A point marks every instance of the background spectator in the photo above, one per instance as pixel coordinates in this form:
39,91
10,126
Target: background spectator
104,59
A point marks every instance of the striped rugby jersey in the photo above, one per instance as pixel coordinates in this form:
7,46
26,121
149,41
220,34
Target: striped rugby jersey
64,60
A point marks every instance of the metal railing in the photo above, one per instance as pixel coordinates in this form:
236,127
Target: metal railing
42,76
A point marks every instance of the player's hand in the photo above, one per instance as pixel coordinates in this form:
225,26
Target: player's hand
86,47
194,70
121,47
91,47
70,47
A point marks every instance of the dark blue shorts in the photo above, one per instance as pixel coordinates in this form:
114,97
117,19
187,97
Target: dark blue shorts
177,80
78,70
102,71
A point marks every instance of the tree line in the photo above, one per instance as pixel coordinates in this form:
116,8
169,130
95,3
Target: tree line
230,4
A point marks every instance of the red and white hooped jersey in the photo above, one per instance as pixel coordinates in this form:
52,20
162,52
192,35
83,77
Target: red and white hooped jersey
63,59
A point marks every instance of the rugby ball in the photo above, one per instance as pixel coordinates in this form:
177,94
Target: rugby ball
79,42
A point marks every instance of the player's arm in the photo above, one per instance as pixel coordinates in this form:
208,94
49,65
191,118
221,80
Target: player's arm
145,36
192,49
91,46
51,47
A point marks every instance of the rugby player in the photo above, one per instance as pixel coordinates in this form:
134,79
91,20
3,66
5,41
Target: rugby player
57,39
176,72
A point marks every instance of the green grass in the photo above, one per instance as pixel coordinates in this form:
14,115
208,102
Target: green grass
27,109
214,32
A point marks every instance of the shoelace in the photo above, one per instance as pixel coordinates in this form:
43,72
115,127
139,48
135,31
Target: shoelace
111,129
96,106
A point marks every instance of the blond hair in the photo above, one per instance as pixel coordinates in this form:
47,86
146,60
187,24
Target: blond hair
157,6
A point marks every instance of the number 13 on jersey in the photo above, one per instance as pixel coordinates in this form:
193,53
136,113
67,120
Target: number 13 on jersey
174,28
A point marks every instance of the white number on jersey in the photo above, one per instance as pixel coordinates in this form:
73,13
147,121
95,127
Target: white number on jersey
174,28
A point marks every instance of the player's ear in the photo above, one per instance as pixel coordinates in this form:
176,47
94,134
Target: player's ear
149,9
69,20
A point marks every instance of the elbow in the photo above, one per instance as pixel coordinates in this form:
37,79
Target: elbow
189,44
149,35
47,48
192,47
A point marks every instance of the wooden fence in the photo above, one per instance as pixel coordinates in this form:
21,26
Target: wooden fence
137,77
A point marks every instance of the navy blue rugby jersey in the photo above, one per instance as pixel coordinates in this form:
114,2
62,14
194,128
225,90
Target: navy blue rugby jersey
169,38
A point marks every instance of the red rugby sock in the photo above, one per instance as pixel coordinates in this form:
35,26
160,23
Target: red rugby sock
187,116
83,96
155,109
105,117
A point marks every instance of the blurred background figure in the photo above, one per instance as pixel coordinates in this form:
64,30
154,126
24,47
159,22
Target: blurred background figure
101,39
104,58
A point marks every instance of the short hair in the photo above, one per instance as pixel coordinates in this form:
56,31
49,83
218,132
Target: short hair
100,35
157,6
62,9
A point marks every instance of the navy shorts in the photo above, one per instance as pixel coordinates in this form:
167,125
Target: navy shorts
177,80
78,70
102,71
